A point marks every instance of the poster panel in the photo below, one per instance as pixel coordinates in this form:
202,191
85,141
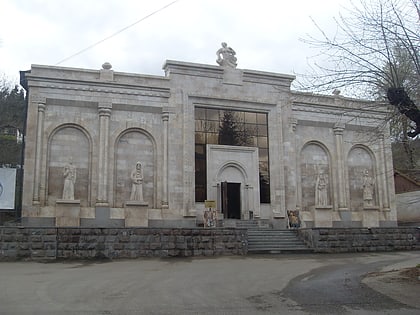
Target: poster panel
7,188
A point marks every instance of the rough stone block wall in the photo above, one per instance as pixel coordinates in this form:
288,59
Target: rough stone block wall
86,243
332,240
22,243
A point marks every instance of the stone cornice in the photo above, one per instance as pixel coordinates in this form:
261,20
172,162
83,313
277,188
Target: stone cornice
210,71
339,110
344,103
211,100
89,80
98,87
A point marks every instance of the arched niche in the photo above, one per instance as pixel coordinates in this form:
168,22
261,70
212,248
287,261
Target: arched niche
360,159
69,143
132,146
314,160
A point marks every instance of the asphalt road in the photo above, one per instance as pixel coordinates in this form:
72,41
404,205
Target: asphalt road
281,284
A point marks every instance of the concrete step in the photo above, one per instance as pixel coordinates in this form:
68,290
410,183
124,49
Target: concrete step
269,241
247,224
274,251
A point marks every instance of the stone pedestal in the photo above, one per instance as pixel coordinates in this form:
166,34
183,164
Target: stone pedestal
67,213
136,213
371,217
232,76
323,216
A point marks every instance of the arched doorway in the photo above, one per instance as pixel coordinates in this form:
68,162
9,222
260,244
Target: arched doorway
232,175
231,200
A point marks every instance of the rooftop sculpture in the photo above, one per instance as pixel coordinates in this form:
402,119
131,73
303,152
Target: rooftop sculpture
226,56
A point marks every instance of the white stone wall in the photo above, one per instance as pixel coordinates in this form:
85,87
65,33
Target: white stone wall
106,121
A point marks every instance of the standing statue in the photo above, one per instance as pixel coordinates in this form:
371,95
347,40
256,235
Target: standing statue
69,175
321,190
137,183
226,56
368,186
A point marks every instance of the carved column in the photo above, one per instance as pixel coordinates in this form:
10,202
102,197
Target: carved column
165,120
338,132
384,177
104,115
38,150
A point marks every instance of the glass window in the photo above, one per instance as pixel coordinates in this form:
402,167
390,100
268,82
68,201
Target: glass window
262,130
230,127
199,125
250,118
251,129
253,142
212,138
200,151
263,154
200,138
262,119
212,114
200,169
200,113
262,142
212,126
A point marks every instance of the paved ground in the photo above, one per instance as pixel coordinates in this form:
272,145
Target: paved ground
282,284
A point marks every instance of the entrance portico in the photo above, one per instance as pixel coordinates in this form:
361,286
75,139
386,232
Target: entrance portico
232,180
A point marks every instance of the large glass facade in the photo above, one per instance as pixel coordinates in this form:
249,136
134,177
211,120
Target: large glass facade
230,127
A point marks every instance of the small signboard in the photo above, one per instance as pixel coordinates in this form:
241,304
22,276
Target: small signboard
7,188
210,203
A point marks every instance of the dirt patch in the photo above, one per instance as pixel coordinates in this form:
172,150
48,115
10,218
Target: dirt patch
404,275
411,274
401,285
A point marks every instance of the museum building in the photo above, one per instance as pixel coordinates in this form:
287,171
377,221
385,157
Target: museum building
111,149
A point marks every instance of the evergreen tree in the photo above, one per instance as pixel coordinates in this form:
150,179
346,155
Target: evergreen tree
232,130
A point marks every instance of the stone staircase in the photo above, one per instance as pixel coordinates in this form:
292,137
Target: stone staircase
272,241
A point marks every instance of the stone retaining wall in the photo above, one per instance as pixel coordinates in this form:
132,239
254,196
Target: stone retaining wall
85,243
334,240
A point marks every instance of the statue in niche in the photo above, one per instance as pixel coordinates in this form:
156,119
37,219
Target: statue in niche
321,189
137,183
69,175
368,186
226,56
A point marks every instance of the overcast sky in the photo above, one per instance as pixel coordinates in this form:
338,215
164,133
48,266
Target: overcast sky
264,33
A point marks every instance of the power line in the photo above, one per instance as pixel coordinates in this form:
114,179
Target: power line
116,33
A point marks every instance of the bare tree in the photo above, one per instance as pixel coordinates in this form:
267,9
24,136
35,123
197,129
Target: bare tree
373,54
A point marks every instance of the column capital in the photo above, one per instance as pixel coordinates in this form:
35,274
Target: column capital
165,116
293,123
41,107
339,129
39,100
104,109
105,104
104,112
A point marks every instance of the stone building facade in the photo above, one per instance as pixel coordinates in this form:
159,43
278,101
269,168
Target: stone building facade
105,148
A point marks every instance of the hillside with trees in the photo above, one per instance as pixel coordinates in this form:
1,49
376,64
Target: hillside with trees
12,118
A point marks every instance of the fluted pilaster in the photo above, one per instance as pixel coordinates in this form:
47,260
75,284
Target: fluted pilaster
165,120
104,111
340,169
38,150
